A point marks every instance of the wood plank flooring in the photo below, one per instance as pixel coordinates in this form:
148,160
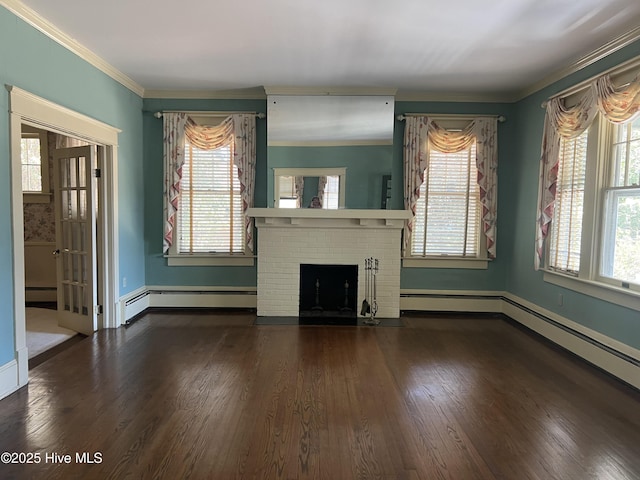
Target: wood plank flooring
211,396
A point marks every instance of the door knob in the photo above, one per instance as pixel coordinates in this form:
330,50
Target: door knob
56,252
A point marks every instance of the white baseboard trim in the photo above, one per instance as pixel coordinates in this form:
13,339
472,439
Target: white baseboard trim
8,378
451,301
186,297
612,356
41,294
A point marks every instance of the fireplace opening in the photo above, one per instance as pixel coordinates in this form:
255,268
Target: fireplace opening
328,294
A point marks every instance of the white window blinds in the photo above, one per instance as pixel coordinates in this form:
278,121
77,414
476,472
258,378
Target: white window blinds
448,210
210,218
331,197
566,227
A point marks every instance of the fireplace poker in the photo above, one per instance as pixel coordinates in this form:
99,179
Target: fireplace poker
365,301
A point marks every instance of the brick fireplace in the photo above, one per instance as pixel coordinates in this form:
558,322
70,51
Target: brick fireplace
288,238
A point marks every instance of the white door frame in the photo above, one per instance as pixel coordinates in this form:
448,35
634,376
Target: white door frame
35,111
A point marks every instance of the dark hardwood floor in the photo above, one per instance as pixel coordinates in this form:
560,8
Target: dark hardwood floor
212,396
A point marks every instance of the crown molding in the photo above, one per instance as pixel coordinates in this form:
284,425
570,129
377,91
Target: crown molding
589,59
254,93
383,91
43,25
259,93
416,96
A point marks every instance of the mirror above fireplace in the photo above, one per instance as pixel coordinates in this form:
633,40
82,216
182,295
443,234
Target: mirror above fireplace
332,131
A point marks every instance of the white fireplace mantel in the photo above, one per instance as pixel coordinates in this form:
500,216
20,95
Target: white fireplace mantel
316,218
288,238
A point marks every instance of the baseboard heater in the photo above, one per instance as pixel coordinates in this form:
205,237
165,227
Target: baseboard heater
609,359
575,333
158,298
446,302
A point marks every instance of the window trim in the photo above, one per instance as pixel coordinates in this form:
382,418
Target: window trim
446,261
340,172
589,280
210,259
45,195
176,259
477,262
617,295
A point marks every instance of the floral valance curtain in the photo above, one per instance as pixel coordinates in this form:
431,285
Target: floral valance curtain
238,129
298,186
419,132
617,105
322,184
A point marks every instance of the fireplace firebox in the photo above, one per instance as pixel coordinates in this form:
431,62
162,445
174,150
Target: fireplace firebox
328,294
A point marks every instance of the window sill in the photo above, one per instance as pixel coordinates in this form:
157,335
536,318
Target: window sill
610,293
36,197
210,260
445,262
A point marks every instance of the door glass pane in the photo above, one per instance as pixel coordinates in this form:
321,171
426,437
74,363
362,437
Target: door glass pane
82,204
82,172
67,296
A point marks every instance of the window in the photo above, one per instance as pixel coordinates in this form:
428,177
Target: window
595,231
331,197
566,228
287,198
35,165
447,219
210,218
621,222
296,187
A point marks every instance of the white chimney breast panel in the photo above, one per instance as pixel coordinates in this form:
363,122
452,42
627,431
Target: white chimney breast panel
333,239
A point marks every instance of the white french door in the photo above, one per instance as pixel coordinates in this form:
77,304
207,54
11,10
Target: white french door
76,238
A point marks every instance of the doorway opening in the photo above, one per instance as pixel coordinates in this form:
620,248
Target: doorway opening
88,239
57,194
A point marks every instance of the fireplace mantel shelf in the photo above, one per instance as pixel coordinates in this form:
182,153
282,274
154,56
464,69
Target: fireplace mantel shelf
320,218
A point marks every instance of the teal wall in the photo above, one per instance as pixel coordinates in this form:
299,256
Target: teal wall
365,164
31,61
617,322
493,278
73,83
157,271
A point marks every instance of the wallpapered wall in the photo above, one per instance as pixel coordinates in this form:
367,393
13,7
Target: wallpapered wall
39,218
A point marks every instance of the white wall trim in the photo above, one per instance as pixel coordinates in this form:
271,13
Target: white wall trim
451,300
594,347
612,356
609,342
9,378
583,62
610,293
256,93
36,111
43,25
186,297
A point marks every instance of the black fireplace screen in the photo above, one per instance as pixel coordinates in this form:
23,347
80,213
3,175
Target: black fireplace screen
329,291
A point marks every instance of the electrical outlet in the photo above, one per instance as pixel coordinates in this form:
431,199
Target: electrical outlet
124,281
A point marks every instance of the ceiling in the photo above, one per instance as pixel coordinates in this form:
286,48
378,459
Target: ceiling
462,47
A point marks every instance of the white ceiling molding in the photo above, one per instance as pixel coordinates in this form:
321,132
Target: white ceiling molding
317,91
409,96
35,20
589,59
256,93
